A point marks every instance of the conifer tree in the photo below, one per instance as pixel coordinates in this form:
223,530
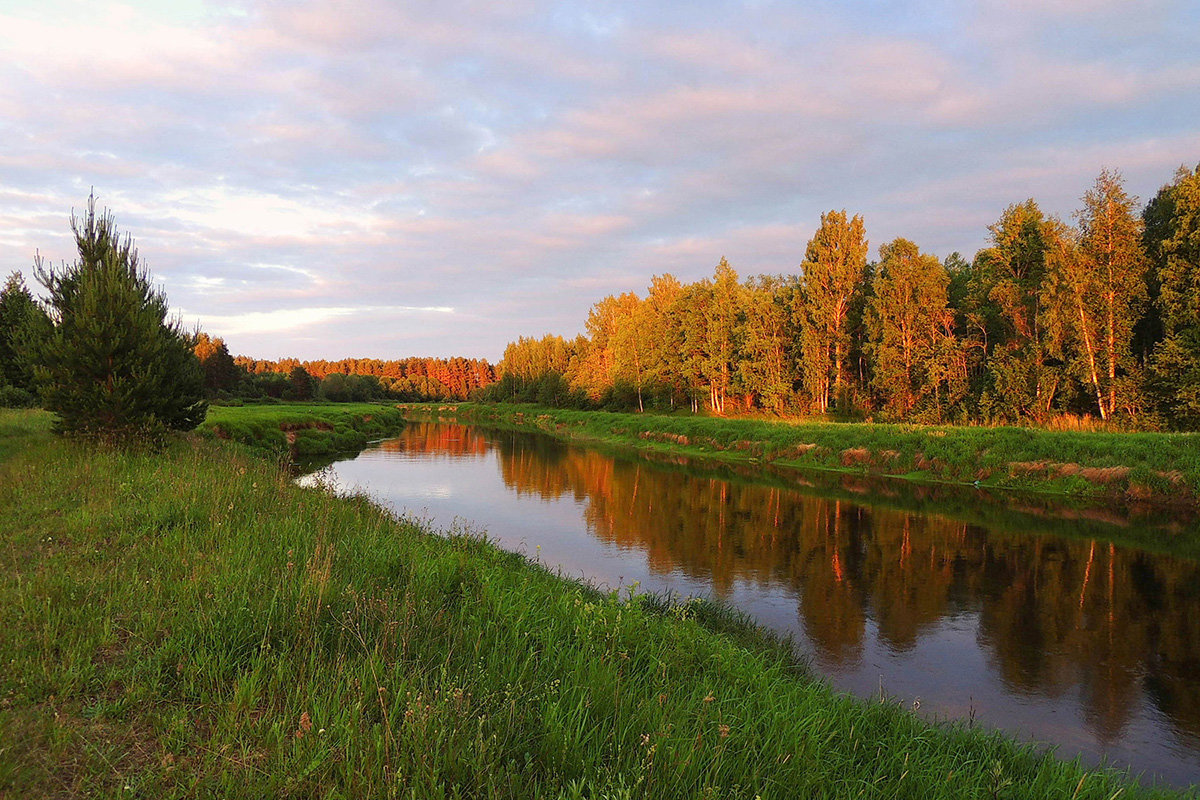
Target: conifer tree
110,363
19,316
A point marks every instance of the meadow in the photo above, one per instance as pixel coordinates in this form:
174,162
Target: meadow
189,622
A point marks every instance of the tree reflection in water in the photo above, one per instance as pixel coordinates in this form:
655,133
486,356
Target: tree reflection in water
1055,615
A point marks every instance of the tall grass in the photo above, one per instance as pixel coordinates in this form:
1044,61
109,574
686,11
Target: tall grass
192,624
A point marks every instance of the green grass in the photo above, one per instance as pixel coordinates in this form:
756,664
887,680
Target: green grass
303,430
192,624
1157,468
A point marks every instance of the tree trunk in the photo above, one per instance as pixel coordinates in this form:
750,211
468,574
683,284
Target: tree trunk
1091,354
1112,355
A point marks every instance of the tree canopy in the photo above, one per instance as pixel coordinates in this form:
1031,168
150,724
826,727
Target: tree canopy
1100,318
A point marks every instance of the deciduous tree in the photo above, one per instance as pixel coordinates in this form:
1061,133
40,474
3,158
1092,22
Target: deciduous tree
1173,242
907,319
1012,272
834,263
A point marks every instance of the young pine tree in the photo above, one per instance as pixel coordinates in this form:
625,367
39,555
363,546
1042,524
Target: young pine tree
110,363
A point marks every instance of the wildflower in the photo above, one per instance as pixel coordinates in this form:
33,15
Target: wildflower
305,725
709,698
723,730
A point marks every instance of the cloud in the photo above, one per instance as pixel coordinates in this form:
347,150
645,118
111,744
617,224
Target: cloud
320,178
292,319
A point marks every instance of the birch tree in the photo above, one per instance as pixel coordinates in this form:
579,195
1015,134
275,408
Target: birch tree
834,263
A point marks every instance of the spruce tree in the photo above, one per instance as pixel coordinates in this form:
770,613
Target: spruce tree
111,364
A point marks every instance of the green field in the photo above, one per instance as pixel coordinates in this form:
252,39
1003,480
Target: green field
191,623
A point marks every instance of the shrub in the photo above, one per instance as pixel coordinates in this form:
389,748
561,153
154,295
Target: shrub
16,397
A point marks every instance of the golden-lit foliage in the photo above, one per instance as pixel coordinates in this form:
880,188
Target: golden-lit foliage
1048,320
407,379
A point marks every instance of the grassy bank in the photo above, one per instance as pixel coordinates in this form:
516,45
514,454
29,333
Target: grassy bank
303,430
190,623
1155,468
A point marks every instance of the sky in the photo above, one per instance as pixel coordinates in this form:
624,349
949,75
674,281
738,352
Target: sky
377,178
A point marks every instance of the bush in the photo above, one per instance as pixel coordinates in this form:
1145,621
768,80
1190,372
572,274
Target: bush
108,361
15,397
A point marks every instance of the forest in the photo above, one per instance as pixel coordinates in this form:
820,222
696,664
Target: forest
1050,323
411,379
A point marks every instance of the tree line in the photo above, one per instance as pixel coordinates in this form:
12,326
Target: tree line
1100,318
413,379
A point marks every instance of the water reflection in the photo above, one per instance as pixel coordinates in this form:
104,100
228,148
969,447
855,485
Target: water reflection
1073,640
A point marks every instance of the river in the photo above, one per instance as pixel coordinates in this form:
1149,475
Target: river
967,610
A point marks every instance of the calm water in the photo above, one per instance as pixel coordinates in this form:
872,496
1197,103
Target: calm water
962,610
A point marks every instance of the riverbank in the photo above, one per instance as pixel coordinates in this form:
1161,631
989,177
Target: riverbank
303,430
315,433
191,623
1154,469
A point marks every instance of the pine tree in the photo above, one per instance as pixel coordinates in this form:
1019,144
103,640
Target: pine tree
19,315
110,363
